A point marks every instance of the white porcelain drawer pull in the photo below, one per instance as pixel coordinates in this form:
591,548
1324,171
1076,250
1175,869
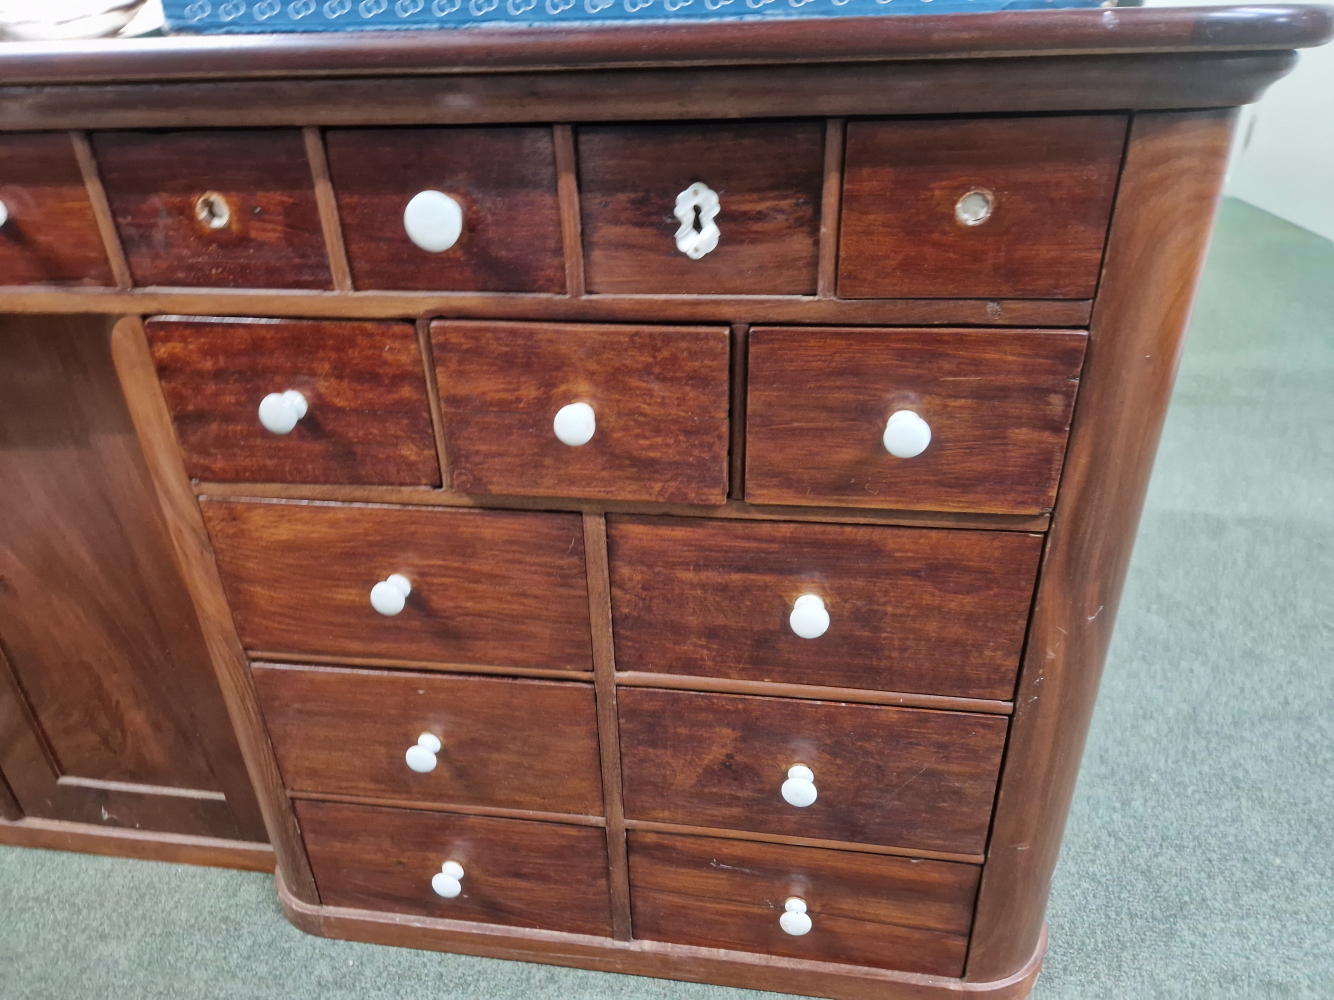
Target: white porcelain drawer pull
421,755
280,411
212,210
575,424
975,207
809,619
906,434
795,920
799,789
4,213
448,881
390,595
696,208
433,220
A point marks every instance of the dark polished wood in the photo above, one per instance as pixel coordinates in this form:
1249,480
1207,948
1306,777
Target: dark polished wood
933,612
894,913
659,395
368,419
272,237
1050,181
503,178
905,777
516,872
998,405
507,743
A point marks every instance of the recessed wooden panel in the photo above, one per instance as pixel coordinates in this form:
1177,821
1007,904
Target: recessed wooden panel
659,394
516,872
1050,182
368,419
511,744
865,909
768,177
503,178
271,237
488,587
998,404
912,610
50,235
911,778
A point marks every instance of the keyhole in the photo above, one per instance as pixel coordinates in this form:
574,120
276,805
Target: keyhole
212,210
698,223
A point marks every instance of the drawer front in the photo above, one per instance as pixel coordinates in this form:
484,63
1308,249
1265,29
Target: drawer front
505,235
907,914
767,179
496,588
654,399
514,872
48,234
367,418
912,610
223,209
509,744
987,416
978,208
897,777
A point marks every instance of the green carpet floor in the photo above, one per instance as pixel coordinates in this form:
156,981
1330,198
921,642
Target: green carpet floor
1197,863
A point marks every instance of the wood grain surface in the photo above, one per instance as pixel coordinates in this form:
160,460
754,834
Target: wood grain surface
503,178
865,909
911,610
516,872
273,237
905,777
368,419
50,235
659,394
998,404
768,178
489,587
506,743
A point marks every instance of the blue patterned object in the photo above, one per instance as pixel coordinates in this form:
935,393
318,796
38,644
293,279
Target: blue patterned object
214,17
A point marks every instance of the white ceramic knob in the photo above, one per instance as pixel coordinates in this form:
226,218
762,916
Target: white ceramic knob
799,789
280,411
390,595
906,434
795,920
448,881
433,220
575,424
421,755
4,213
809,619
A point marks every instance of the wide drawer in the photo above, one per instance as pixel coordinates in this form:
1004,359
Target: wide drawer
978,207
912,610
907,914
515,872
977,420
498,588
578,410
914,779
363,387
504,743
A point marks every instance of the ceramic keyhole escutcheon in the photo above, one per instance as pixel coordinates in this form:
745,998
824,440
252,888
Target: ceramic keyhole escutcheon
696,208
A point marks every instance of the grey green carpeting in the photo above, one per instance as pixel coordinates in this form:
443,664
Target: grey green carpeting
1197,863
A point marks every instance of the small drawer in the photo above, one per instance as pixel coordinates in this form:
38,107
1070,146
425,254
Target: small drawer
977,208
953,420
907,914
461,209
221,209
915,779
487,588
605,412
889,609
702,209
514,872
48,233
362,416
490,741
